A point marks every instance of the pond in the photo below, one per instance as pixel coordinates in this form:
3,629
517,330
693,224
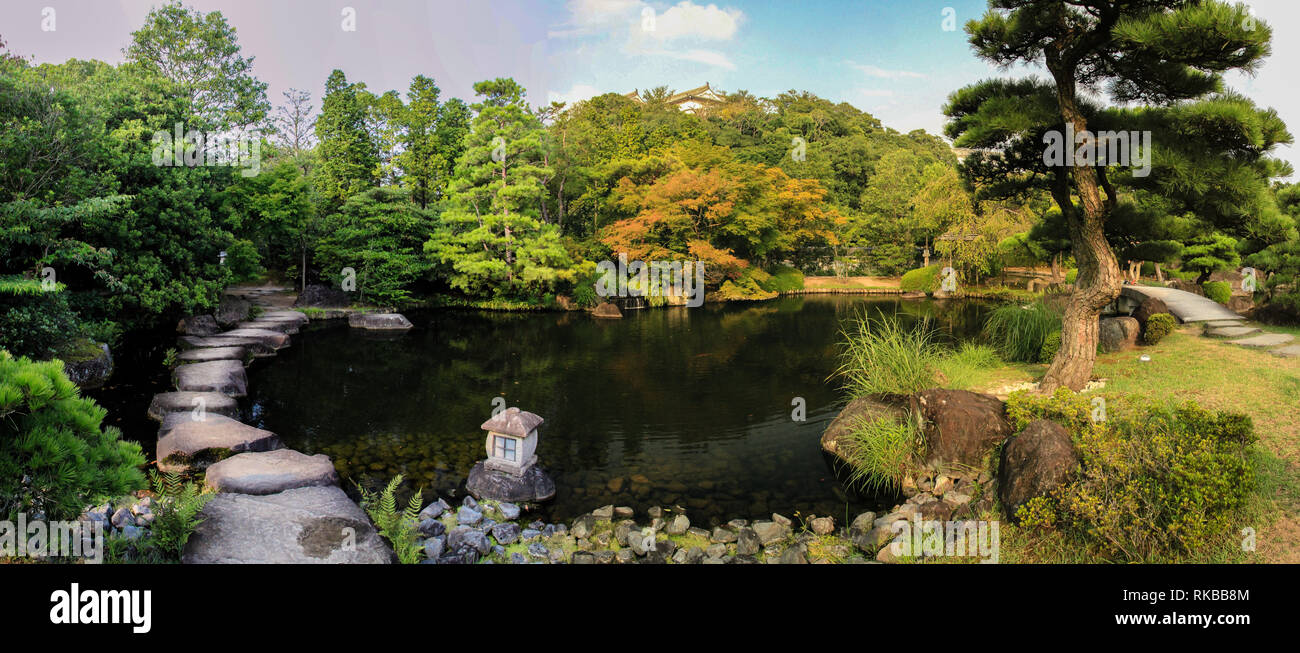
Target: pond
675,406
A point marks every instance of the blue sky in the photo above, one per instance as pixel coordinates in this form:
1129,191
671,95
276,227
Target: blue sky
891,58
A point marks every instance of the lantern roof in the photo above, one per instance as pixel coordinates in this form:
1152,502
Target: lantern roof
512,421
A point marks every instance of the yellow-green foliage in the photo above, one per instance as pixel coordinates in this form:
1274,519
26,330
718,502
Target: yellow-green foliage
880,452
1051,345
746,287
400,528
1219,291
783,279
1157,482
924,279
1157,327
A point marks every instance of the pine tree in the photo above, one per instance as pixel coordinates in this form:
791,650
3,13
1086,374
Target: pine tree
349,155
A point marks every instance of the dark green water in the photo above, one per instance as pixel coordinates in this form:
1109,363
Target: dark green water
676,406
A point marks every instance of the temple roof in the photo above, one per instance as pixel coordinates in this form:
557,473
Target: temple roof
512,421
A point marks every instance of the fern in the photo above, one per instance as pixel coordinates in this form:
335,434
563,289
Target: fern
179,504
400,528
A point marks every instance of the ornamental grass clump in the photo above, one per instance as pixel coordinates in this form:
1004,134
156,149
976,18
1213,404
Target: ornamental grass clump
878,357
880,452
1019,331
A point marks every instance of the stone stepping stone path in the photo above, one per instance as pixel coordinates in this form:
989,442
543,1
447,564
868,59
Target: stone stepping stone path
1232,331
187,403
213,354
255,346
1223,323
1264,341
300,526
287,327
1292,351
379,321
193,445
225,376
270,472
274,339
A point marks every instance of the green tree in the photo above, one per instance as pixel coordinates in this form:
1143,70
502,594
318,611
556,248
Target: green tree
378,234
349,156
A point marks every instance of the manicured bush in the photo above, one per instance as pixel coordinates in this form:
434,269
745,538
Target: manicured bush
1157,327
55,457
924,279
1157,483
1219,291
879,357
1018,331
1051,345
784,278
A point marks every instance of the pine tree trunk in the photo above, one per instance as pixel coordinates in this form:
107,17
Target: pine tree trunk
1098,283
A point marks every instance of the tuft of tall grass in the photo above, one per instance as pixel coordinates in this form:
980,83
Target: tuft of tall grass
961,367
880,452
879,357
1017,332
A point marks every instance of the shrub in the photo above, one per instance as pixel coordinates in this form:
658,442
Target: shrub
784,278
55,457
1071,275
880,452
924,279
745,288
879,357
1051,345
1156,483
400,528
1219,291
1018,332
1157,327
34,322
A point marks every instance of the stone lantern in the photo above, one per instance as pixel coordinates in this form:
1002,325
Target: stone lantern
510,472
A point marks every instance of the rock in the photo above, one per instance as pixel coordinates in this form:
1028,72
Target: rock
769,532
823,525
434,510
679,525
534,486
782,520
433,548
279,325
538,549
722,535
206,354
255,347
529,533
623,512
1117,334
122,517
1149,306
862,523
793,555
871,541
1264,341
716,551
960,427
1241,304
273,340
231,311
463,538
132,532
506,533
269,472
196,404
624,556
1034,462
225,377
304,525
862,408
955,498
469,502
467,516
320,296
92,372
508,510
198,325
192,446
582,558
747,542
615,485
606,310
379,321
584,526
432,527
603,513
655,512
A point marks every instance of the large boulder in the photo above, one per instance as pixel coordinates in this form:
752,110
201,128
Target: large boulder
231,311
198,325
1117,334
857,411
317,295
166,403
1034,462
960,427
533,487
379,321
300,526
269,472
90,371
1149,306
224,376
606,309
1186,286
192,445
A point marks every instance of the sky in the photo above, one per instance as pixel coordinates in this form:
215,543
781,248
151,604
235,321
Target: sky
896,59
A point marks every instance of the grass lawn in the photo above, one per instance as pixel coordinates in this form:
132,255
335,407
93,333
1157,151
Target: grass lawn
1219,376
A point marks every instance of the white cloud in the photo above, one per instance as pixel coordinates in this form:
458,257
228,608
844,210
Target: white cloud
875,71
687,20
578,93
708,57
681,32
595,16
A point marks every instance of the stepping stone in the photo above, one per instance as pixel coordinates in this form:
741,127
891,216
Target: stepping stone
291,316
1224,323
198,325
269,472
255,346
288,327
379,321
192,446
187,403
1232,331
1287,352
213,354
1265,340
304,525
226,377
272,339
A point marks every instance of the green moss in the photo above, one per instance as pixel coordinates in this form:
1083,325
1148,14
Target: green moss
79,350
